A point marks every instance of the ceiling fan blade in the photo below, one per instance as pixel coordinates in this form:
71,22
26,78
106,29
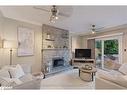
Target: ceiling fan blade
98,29
40,8
63,14
48,9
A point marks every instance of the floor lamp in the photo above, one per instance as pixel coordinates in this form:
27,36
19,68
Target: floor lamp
10,45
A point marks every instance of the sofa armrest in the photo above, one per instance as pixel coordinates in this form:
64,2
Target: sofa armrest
105,84
34,84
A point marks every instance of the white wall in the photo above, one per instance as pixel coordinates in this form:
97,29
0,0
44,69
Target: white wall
76,42
83,42
1,30
8,30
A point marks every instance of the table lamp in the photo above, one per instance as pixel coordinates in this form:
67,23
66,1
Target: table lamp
10,45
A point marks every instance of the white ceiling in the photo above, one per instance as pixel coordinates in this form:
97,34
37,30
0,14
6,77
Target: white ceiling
80,20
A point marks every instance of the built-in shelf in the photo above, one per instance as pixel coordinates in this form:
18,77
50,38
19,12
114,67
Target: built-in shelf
65,37
50,39
56,49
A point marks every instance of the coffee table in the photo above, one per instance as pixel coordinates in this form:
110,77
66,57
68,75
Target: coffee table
87,75
39,75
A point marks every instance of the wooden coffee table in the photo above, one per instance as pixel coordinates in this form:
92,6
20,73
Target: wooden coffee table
88,72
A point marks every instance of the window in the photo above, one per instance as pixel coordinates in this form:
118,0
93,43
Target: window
108,51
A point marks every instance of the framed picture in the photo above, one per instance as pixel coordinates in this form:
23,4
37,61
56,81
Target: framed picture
26,41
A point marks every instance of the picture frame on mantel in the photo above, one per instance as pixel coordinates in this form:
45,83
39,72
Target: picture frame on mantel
25,41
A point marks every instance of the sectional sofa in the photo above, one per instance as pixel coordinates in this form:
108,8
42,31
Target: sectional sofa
18,77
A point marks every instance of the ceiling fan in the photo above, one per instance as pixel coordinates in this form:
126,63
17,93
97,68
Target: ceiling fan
54,10
94,29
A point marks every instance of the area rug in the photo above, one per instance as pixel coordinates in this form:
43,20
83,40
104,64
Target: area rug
66,80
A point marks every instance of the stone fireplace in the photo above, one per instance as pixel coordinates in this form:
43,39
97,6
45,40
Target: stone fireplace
54,60
55,49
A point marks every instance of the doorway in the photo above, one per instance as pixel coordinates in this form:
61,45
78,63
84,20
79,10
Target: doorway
108,51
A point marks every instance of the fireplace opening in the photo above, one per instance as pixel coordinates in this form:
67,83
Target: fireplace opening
58,62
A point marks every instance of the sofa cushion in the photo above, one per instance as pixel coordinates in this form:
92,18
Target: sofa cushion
16,72
115,72
109,75
33,84
116,66
4,73
113,76
27,77
121,80
105,75
9,81
123,69
5,81
26,67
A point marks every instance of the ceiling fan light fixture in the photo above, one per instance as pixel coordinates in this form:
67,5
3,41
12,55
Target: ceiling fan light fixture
52,21
54,16
93,29
55,11
93,32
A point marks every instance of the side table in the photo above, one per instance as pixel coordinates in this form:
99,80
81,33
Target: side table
87,75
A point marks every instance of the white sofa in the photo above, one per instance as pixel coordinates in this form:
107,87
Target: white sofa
105,84
24,81
113,79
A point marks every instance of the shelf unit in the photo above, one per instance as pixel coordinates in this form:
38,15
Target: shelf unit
55,49
77,62
53,37
50,39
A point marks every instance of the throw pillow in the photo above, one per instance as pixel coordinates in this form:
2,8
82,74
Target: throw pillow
116,66
26,67
16,72
26,78
123,69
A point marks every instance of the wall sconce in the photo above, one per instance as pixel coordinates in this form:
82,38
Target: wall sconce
10,45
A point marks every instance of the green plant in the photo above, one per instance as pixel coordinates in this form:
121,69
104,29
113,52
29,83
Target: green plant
98,44
111,47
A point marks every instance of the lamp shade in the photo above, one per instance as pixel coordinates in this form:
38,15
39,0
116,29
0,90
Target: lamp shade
10,44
